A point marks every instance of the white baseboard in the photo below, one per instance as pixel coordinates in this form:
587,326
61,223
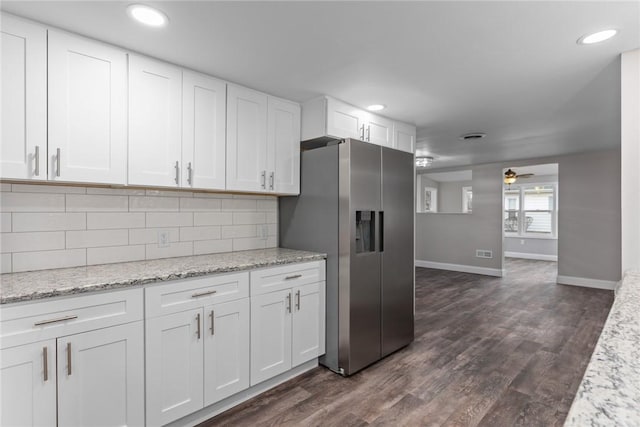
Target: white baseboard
462,268
586,282
228,403
538,257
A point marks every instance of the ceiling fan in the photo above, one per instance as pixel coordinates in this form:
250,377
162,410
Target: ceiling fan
511,176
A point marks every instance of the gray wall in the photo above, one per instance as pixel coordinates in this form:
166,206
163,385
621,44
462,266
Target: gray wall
450,196
588,218
423,183
531,246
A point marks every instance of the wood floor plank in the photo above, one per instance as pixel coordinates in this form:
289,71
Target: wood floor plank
488,351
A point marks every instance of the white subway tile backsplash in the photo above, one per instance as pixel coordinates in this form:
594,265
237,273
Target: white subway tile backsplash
26,242
96,203
168,219
235,231
113,254
199,233
5,263
249,218
26,261
31,202
143,236
175,249
153,204
108,220
248,243
58,189
26,221
201,247
212,218
199,204
5,222
96,238
54,226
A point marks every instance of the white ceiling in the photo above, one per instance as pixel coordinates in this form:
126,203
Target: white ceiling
453,176
538,170
511,69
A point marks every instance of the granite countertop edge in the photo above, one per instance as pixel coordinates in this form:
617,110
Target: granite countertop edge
43,284
609,394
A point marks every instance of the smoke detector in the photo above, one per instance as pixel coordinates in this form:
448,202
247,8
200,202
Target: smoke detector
472,136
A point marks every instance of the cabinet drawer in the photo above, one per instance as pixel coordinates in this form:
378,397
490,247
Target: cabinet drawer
29,322
187,294
287,276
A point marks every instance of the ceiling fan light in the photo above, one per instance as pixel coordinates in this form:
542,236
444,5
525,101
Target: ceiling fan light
510,177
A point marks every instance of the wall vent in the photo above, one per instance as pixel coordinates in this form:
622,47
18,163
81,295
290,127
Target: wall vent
481,253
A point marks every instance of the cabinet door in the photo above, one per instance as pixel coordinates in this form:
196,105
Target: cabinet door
28,376
306,323
246,139
379,131
344,121
270,335
404,137
284,146
203,131
101,377
226,350
23,153
155,116
87,110
174,366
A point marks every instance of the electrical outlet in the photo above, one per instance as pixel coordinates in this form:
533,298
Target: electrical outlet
522,241
163,239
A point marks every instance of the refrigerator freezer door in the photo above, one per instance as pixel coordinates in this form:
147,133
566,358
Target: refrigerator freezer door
360,201
397,255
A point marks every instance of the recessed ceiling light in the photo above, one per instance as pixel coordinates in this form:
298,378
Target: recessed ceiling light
472,136
147,15
598,37
376,107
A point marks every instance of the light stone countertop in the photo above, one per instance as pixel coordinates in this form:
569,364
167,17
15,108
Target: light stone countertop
34,285
609,394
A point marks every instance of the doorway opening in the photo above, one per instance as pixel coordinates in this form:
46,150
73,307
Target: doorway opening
530,216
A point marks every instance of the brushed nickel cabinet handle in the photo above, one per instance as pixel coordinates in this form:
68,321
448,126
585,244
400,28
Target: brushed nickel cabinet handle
59,319
263,180
177,166
289,303
369,133
201,294
190,174
45,362
362,133
69,359
36,171
298,300
212,315
57,162
271,180
295,276
198,327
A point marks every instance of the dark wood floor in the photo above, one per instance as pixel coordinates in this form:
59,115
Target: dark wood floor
488,352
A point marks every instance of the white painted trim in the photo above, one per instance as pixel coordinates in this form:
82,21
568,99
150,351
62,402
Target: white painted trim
523,255
462,268
231,401
586,282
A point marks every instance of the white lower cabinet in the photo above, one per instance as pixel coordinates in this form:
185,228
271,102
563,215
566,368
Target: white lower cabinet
81,368
306,323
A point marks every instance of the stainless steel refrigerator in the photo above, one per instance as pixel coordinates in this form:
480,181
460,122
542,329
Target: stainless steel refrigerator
356,204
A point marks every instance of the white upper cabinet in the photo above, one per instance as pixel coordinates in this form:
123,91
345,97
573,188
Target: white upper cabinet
155,117
246,139
87,110
404,137
23,148
284,146
203,131
379,130
343,120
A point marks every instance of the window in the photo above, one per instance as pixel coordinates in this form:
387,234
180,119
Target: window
530,210
467,199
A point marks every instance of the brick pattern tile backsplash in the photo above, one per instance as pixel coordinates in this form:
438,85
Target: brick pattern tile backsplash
52,226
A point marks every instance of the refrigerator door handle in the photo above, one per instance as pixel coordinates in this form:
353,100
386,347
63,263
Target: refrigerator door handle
381,231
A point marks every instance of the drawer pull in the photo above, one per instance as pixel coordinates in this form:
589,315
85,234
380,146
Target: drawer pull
198,321
68,358
201,294
60,319
295,276
45,360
